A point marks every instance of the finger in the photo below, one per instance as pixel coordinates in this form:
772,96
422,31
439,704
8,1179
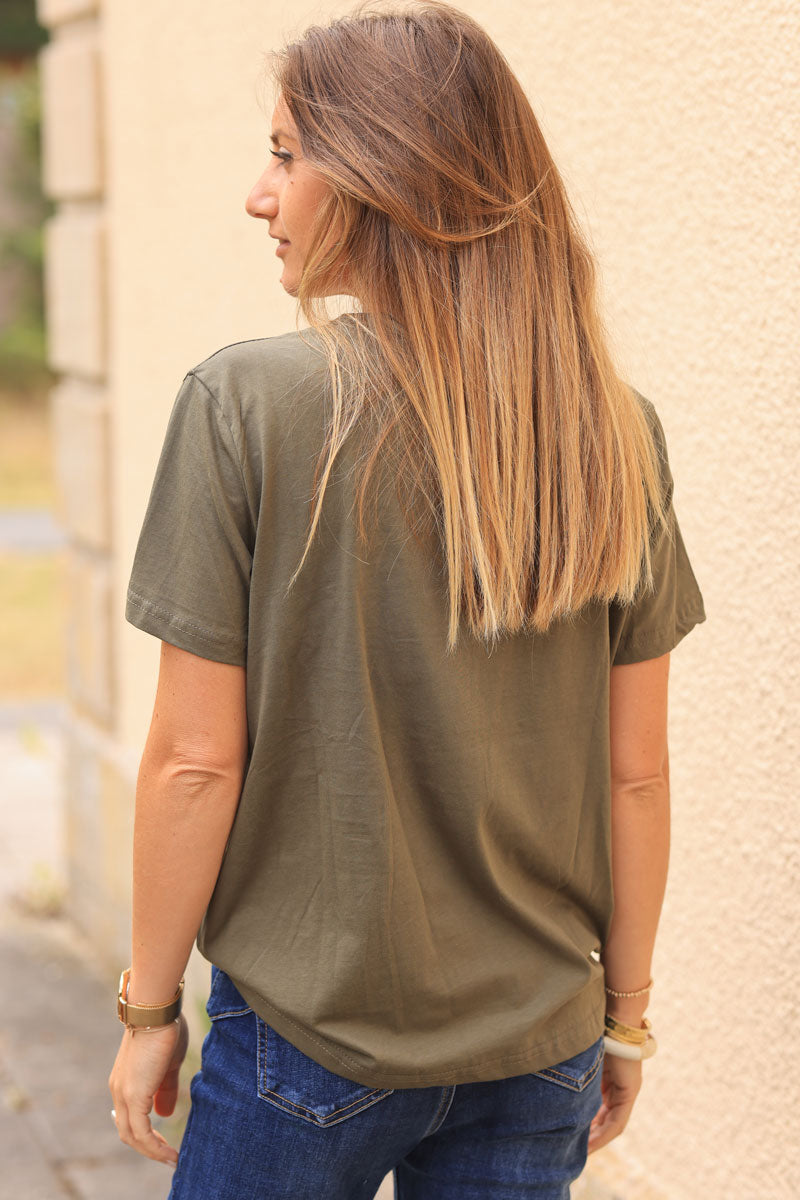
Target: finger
167,1095
121,1121
596,1130
167,1092
145,1139
163,1151
600,1138
612,1124
154,1145
599,1118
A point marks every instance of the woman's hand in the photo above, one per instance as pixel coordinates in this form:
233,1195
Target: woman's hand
622,1078
145,1073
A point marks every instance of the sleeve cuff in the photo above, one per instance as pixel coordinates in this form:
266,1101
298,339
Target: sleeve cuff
155,618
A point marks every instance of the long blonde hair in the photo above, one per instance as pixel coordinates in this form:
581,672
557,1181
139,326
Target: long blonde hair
479,351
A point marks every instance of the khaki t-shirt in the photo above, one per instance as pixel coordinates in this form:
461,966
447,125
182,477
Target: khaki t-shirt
418,878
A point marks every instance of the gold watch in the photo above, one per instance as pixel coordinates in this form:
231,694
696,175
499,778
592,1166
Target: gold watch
146,1016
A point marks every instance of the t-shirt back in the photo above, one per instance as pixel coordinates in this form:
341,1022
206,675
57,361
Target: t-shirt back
417,882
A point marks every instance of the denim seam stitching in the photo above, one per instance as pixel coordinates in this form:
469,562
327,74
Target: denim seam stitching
442,1110
231,1012
569,1081
291,1105
301,1111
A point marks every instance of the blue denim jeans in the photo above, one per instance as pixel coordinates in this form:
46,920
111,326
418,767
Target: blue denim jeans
267,1122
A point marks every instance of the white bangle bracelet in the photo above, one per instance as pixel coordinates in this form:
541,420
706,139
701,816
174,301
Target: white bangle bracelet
626,1050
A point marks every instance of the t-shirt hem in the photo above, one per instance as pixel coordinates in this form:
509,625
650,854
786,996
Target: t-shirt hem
571,1039
155,618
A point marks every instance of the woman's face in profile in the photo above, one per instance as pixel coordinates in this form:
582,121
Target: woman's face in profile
287,195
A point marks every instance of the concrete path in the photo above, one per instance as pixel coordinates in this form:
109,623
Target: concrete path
58,1032
58,1040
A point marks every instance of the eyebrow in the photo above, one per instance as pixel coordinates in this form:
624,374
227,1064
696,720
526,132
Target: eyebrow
281,134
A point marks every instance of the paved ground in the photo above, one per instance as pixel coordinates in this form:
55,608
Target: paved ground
58,1035
57,1043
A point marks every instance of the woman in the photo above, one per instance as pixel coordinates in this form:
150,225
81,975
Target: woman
417,576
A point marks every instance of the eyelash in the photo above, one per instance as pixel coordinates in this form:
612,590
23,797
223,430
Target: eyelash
284,155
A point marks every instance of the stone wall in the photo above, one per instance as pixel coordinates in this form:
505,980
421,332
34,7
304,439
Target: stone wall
76,274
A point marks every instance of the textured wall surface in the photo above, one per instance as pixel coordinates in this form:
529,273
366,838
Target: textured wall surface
675,130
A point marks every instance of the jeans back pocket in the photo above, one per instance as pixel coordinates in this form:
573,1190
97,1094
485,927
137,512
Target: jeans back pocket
577,1072
297,1084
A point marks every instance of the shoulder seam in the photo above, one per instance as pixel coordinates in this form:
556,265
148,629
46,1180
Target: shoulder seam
228,426
230,345
275,337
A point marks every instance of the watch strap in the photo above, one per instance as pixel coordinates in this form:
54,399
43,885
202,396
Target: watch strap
146,1016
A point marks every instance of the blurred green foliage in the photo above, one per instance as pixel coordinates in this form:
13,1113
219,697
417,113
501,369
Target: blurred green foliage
23,365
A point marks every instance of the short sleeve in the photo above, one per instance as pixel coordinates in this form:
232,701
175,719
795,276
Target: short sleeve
658,618
190,579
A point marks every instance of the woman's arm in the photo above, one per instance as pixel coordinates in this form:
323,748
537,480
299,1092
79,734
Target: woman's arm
640,828
187,793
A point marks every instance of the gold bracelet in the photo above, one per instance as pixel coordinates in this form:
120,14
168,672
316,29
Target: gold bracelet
620,1032
640,992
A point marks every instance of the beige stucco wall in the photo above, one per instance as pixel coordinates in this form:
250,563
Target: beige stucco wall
675,129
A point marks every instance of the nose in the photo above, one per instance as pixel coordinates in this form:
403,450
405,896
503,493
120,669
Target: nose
262,201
